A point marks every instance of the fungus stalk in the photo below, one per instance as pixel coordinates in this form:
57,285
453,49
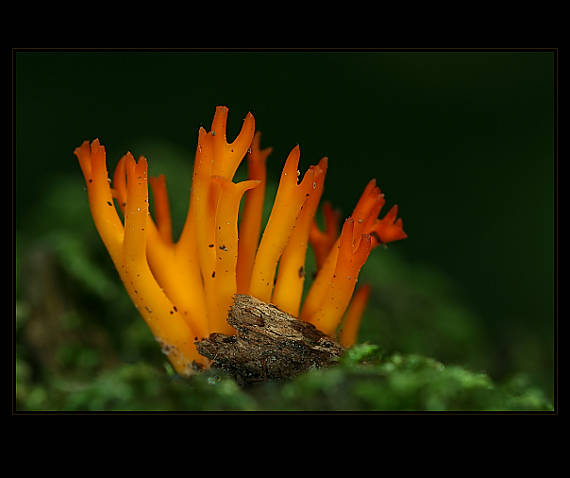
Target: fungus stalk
250,225
289,200
291,276
127,248
351,322
353,250
226,240
322,241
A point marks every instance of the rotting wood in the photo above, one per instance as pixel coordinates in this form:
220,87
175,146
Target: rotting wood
269,344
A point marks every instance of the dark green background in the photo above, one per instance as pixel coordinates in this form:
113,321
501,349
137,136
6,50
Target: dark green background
462,141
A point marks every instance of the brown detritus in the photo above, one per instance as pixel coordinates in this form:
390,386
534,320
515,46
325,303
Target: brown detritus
269,344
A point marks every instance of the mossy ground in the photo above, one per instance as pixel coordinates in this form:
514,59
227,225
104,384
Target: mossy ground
364,380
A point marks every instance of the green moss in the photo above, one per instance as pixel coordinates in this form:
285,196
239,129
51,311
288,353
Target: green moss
364,380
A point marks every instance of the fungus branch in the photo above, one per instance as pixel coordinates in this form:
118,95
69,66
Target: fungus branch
250,224
289,200
322,241
291,276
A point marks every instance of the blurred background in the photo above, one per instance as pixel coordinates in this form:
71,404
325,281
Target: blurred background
462,141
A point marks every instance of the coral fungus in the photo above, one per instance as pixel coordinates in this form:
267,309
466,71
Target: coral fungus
183,289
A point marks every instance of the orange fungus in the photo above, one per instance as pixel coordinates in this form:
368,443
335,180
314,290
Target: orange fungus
184,288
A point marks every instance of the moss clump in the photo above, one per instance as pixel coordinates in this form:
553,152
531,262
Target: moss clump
364,380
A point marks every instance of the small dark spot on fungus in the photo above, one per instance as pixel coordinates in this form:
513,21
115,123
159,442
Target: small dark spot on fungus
301,271
171,312
375,235
90,180
210,245
109,203
175,309
214,274
223,248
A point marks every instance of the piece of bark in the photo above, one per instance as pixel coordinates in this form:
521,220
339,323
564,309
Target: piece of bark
269,344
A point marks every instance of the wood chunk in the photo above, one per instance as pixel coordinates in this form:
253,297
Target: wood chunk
269,344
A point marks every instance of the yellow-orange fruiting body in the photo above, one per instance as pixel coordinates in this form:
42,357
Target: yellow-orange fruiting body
225,273
291,276
289,199
351,322
184,288
353,250
250,224
322,242
161,207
